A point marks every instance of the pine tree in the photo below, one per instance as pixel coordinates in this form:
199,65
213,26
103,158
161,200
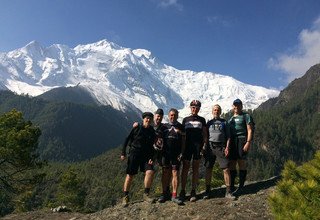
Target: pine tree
297,194
19,161
71,192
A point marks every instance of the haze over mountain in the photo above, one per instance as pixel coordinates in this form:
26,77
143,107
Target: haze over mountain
122,77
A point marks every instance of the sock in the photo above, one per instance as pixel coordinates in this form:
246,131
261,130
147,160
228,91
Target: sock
242,177
233,175
174,195
208,188
228,189
146,190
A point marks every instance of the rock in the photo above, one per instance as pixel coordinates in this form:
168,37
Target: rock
252,204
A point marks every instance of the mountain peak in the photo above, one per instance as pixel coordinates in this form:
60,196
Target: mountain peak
123,78
100,45
33,48
142,52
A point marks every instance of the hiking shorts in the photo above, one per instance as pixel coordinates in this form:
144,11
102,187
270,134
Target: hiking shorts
171,161
214,152
236,148
192,151
136,162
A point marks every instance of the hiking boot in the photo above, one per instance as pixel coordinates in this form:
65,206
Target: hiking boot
206,195
147,198
238,192
182,195
229,195
162,199
176,200
125,201
193,197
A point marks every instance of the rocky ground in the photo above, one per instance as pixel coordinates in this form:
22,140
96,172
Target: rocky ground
251,205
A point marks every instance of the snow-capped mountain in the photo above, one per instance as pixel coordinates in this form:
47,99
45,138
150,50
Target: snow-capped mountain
122,77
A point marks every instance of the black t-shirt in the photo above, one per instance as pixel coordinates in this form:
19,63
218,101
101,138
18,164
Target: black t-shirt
194,125
172,137
141,141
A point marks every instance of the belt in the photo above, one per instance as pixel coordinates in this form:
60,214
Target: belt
216,144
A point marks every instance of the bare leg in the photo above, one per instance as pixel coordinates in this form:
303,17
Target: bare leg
127,183
175,181
148,179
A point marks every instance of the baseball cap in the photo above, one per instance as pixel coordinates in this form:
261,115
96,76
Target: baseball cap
237,102
159,111
147,114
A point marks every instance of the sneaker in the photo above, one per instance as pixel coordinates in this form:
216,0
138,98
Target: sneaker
230,196
147,198
206,195
238,192
193,197
182,195
125,201
176,200
162,199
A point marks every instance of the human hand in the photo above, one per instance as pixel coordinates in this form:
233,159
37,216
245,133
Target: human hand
246,147
226,151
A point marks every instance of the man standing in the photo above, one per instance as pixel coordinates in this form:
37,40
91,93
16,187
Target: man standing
241,125
218,148
140,140
195,142
171,156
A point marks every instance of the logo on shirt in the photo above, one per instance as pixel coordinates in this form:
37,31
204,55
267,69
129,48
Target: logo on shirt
193,124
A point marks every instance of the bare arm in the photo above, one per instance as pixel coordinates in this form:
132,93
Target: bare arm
249,138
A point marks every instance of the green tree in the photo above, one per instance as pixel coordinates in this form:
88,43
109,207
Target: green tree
71,192
18,158
297,194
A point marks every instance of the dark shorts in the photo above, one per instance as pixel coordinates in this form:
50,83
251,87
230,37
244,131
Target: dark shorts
170,161
192,151
236,148
216,152
136,162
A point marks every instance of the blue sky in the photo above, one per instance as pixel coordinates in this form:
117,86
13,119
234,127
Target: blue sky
260,42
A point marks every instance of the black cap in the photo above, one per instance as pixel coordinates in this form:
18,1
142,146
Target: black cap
237,102
159,111
147,114
195,103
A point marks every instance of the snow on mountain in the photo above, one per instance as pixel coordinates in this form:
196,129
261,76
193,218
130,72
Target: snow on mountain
122,77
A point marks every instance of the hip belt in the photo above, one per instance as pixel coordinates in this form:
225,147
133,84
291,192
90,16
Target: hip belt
214,145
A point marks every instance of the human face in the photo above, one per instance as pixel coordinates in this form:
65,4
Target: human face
173,116
216,112
158,119
147,121
237,108
194,110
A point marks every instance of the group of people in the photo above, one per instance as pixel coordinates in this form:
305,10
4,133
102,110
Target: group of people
173,144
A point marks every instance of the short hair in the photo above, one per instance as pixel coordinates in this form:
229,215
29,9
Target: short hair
174,110
218,106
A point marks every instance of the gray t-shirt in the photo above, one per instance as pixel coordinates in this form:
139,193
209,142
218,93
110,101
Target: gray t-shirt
218,130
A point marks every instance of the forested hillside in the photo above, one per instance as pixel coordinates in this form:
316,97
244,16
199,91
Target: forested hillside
71,131
288,128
